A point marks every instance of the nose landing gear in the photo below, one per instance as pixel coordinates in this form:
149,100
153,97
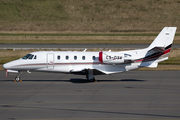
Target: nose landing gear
17,78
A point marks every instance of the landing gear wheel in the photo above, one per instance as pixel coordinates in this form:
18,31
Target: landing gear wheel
92,80
89,75
17,79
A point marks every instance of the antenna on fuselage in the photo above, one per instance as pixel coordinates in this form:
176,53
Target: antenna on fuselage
84,50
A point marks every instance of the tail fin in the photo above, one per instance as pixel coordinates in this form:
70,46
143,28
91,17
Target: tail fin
159,49
164,39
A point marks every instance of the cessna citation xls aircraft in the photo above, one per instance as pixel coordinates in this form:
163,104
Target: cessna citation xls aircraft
95,63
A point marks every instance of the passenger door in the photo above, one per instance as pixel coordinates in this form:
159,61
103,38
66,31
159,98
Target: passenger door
50,61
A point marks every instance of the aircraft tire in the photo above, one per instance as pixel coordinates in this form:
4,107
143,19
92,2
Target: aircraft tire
92,80
17,79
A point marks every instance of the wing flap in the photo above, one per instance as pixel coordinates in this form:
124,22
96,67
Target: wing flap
83,71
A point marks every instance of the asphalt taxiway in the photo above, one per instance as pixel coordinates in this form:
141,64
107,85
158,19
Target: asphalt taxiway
71,46
77,46
139,95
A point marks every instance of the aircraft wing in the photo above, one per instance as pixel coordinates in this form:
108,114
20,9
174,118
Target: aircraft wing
77,70
84,71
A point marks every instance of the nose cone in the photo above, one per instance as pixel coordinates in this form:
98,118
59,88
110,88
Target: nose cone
6,66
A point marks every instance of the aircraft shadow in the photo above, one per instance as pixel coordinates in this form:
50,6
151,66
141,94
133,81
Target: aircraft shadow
78,80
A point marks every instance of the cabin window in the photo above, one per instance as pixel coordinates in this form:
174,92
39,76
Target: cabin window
75,57
93,57
83,57
58,57
67,57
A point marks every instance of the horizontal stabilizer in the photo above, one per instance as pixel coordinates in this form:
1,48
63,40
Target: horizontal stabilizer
149,64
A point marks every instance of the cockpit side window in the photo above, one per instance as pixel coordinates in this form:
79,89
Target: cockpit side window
35,57
30,57
27,56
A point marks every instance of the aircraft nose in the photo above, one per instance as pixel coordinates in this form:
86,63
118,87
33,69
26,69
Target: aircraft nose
6,66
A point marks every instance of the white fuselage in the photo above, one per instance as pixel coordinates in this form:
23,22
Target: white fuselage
57,61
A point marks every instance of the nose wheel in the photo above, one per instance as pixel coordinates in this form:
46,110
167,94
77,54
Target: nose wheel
17,78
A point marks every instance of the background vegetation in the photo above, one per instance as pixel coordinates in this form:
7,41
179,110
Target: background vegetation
88,15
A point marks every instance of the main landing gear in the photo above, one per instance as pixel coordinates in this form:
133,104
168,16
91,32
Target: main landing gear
17,78
89,75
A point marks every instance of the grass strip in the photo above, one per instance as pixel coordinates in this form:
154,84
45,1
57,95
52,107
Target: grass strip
90,34
70,34
76,41
78,34
79,42
161,68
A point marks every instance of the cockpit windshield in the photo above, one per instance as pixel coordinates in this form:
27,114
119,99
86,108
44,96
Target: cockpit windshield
26,57
29,56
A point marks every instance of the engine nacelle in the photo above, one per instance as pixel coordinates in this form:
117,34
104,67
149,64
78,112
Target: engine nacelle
111,57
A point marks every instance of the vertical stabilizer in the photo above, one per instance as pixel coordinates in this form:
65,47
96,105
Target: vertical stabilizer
165,38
